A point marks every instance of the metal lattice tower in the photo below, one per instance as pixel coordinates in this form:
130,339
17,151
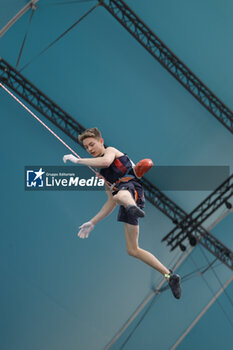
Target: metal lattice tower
191,225
145,36
18,83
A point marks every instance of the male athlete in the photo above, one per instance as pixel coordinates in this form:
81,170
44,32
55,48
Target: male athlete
126,190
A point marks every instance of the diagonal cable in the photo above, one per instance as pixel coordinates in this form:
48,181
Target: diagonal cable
139,322
216,275
59,37
186,277
25,37
220,305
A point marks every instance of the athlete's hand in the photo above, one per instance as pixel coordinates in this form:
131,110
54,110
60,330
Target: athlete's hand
85,229
71,158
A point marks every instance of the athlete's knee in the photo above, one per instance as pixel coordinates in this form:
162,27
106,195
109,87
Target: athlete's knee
121,194
133,251
116,197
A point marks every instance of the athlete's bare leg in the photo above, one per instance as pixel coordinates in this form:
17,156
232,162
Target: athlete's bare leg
124,197
133,249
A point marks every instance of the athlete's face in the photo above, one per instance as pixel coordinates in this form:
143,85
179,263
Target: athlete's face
93,146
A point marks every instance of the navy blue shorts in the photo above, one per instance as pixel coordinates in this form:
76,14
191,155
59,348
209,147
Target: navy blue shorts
132,186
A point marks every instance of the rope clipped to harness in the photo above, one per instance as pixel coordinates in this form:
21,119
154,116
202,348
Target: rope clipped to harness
142,167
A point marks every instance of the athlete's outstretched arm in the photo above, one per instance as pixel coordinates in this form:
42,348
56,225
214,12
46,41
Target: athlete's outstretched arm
98,162
104,211
107,208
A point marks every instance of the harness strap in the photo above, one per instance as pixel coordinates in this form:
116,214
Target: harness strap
122,179
125,179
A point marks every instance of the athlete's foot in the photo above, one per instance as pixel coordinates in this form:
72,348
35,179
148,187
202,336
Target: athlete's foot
135,211
174,284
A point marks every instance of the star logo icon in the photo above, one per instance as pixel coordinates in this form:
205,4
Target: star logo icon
39,174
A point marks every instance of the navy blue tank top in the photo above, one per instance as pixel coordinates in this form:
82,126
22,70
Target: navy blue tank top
120,167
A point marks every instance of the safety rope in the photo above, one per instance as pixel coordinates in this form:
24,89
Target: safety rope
52,132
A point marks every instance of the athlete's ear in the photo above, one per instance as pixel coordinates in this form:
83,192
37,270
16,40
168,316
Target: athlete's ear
102,140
